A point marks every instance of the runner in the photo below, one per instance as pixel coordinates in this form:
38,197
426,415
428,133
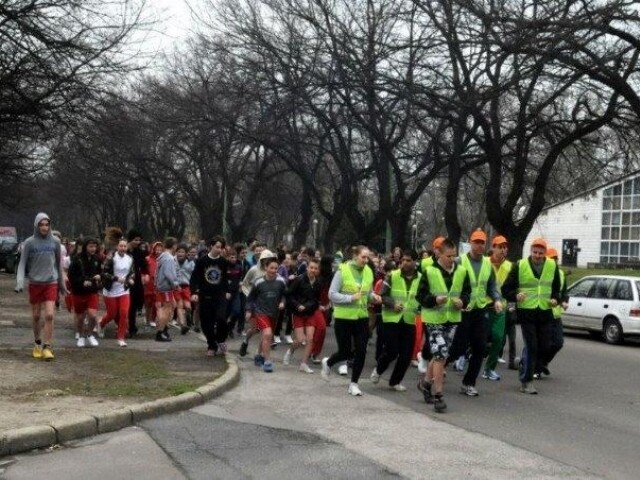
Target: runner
497,321
184,269
398,320
304,302
150,304
140,277
534,284
472,331
41,264
85,277
117,278
444,291
265,301
350,292
166,284
210,288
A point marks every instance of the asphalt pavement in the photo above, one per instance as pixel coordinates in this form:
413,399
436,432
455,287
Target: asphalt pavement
584,423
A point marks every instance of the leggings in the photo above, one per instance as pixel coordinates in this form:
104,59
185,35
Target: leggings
351,333
118,310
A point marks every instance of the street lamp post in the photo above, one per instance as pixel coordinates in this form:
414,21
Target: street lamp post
414,229
315,233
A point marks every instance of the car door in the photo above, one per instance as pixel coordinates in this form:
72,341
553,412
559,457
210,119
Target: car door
600,303
578,293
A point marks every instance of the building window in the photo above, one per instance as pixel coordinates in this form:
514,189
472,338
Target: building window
620,228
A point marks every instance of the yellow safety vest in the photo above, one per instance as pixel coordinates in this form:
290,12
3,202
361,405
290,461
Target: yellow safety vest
479,298
446,312
557,310
351,285
400,294
502,272
426,262
538,291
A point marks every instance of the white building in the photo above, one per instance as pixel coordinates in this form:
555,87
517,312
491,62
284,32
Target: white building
601,225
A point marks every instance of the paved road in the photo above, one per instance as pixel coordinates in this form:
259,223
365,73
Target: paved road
587,413
584,423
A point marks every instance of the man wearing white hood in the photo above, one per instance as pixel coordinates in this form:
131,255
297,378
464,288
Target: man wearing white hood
42,259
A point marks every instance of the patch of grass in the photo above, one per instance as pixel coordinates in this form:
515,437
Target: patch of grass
122,373
576,273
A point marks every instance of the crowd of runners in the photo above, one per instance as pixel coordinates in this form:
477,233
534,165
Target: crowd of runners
432,309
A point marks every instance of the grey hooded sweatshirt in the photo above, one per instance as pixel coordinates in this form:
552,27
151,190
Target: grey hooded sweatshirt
41,258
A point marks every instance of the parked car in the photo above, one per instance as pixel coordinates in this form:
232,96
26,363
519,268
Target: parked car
607,306
9,249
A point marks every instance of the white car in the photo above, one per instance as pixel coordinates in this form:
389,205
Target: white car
605,305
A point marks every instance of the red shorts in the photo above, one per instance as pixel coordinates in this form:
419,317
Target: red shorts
82,303
165,297
310,321
264,321
183,293
42,292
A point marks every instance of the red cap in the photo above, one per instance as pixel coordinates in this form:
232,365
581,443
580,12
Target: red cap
539,242
499,240
437,242
552,253
478,235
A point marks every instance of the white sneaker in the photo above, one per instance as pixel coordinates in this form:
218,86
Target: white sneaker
343,370
375,376
122,343
422,363
81,343
152,324
288,339
277,340
92,341
354,390
399,388
326,370
287,357
305,368
460,363
502,360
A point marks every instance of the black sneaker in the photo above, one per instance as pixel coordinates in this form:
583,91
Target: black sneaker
184,330
545,370
243,349
439,405
426,393
161,337
196,329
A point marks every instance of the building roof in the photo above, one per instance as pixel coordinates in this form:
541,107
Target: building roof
591,191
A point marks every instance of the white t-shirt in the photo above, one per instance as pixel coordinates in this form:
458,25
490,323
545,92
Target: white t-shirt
121,267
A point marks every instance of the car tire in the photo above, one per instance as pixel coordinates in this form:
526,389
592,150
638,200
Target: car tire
612,331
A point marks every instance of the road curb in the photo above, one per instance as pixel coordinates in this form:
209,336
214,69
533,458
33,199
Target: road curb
42,436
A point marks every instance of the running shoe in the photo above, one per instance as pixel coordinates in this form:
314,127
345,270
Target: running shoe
469,390
459,364
122,343
287,357
267,366
184,329
243,349
501,360
99,330
315,360
491,375
288,339
422,363
223,348
398,388
545,370
305,368
37,352
343,370
277,340
47,353
258,360
354,390
161,337
528,388
426,393
93,342
326,369
439,405
375,376
81,343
